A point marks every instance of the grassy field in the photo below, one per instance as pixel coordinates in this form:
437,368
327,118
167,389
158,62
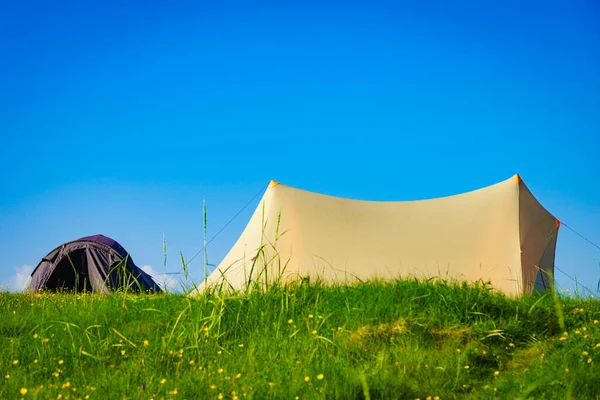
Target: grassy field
394,340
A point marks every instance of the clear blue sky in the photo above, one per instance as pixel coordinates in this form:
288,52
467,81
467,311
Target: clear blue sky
122,117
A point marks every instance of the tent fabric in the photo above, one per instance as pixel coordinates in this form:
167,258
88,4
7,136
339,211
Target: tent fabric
113,244
94,263
500,234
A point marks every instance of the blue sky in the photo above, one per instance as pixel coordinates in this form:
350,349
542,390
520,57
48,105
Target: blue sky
122,117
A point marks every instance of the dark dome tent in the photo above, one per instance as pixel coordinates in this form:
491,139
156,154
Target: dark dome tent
93,263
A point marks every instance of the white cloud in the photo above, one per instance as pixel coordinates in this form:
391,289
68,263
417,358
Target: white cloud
164,281
20,278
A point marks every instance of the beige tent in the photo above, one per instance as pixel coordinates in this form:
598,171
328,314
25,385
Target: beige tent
500,234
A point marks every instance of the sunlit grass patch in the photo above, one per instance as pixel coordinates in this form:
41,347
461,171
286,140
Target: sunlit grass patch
398,339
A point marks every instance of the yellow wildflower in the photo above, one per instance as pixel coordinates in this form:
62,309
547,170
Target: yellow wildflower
241,345
46,340
60,362
238,376
213,386
35,361
585,354
458,350
220,396
7,376
306,378
163,381
15,362
35,335
314,332
146,343
290,321
466,367
220,370
320,376
23,391
310,316
589,360
496,373
122,352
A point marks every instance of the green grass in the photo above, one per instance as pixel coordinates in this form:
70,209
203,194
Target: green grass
394,340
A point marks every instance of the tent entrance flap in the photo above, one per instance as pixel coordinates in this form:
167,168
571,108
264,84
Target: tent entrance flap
71,273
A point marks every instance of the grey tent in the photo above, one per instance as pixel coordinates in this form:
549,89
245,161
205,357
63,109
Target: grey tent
93,263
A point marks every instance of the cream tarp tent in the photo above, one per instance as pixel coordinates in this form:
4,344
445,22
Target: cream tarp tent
500,234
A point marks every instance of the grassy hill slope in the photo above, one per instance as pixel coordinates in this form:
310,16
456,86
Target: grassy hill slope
394,340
